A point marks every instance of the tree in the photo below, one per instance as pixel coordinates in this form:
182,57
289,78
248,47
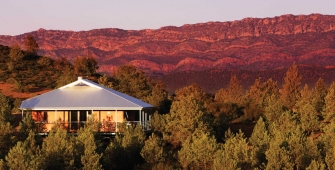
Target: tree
158,97
15,56
44,61
308,118
256,98
129,80
198,150
7,138
85,66
31,45
58,150
5,108
192,90
318,95
89,157
235,153
15,53
67,76
260,140
316,165
124,151
105,81
233,93
25,155
153,150
186,115
27,125
273,109
291,87
328,111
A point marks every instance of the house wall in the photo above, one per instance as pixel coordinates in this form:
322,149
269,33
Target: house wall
115,116
49,118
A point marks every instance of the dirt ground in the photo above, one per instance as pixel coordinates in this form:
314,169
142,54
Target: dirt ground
9,90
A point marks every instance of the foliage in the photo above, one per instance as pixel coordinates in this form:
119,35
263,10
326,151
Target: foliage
5,110
186,115
328,111
85,66
235,153
25,155
124,151
233,93
7,138
26,126
198,150
153,150
260,140
57,150
318,95
129,80
31,45
90,159
291,87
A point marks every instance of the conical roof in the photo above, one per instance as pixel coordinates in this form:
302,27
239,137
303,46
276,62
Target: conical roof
84,94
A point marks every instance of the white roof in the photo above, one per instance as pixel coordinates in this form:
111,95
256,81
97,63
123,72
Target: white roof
84,94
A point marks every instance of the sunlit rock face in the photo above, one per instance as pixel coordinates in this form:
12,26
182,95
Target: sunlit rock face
251,44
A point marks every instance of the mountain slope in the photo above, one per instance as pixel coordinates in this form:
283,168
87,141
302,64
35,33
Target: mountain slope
250,44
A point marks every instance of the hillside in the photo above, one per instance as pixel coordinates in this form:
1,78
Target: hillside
248,44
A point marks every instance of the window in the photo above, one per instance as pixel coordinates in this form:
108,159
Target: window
45,116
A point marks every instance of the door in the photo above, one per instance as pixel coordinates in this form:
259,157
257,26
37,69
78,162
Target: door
82,117
74,120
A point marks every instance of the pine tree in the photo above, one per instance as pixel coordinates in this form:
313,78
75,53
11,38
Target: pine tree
124,151
3,164
7,138
260,140
25,155
5,108
58,150
328,111
158,97
153,150
15,56
127,79
235,153
15,53
291,87
318,95
105,81
85,65
27,125
198,150
31,45
256,97
308,118
89,158
316,165
274,108
185,116
233,93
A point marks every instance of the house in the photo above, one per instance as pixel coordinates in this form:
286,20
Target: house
73,104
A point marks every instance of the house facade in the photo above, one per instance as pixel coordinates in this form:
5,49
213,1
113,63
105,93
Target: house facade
73,104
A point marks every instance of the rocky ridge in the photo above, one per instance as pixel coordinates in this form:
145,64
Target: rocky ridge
250,44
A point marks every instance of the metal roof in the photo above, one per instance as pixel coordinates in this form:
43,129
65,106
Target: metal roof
84,94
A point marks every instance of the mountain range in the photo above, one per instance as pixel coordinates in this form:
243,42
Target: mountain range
250,44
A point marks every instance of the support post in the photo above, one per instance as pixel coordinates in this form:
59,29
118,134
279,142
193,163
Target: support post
139,117
115,120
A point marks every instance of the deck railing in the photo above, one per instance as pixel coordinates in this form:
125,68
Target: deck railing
104,127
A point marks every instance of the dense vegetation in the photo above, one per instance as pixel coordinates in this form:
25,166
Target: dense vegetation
294,127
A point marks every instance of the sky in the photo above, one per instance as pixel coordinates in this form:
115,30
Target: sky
22,16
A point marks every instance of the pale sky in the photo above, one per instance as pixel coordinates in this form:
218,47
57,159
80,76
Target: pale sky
21,16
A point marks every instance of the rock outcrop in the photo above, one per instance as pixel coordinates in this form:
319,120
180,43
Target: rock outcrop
251,44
